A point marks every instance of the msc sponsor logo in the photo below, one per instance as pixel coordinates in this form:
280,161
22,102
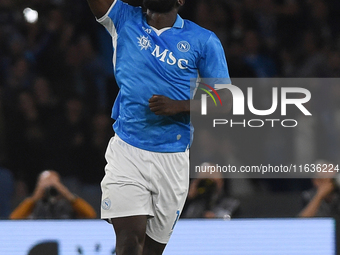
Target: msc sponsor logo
168,57
165,55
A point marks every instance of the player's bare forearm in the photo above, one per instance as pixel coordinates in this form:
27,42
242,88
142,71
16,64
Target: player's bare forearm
99,7
162,105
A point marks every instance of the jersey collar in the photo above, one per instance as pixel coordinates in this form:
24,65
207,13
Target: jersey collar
179,23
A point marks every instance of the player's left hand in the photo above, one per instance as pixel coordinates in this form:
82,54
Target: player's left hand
162,105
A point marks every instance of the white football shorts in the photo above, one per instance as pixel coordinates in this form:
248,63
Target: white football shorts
140,182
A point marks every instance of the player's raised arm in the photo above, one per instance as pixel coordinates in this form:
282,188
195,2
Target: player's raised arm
100,7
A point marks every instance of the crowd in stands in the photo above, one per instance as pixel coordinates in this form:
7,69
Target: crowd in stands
57,86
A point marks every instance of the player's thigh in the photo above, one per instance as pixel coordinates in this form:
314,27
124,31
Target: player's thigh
124,198
130,234
170,189
151,247
131,227
166,214
124,189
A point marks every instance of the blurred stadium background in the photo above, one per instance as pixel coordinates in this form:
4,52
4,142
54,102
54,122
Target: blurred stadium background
57,89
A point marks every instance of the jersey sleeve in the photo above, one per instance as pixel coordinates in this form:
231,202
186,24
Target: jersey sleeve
212,62
116,16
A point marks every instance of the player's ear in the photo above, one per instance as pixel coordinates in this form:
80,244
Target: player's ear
180,2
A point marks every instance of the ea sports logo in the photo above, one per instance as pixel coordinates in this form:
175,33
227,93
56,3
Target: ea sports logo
183,46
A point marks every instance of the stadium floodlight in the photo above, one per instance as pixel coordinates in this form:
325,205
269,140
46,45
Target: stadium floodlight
31,16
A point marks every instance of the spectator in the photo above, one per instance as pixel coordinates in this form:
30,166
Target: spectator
68,140
26,137
264,38
262,65
52,200
315,61
47,103
206,197
101,133
323,199
20,75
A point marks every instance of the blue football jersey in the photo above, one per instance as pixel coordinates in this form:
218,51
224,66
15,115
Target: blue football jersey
151,62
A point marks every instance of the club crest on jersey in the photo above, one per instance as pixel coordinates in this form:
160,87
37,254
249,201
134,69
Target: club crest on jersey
144,42
106,203
183,46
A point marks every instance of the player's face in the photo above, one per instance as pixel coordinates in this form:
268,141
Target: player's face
160,6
